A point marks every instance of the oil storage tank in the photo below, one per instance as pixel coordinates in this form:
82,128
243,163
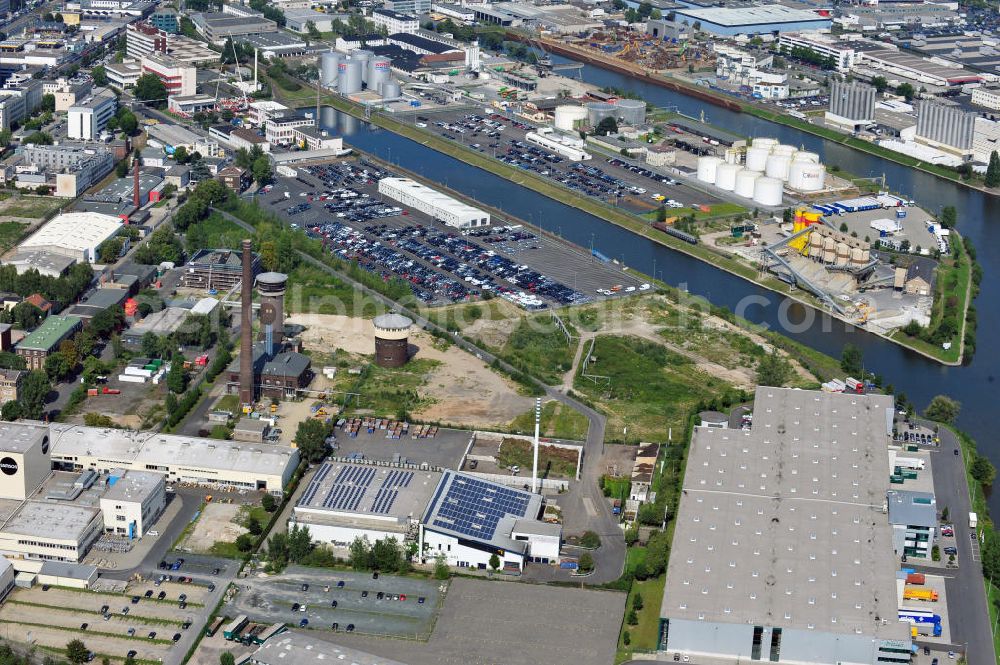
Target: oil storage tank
390,90
631,111
805,156
328,63
597,111
725,176
568,117
764,142
777,166
707,167
767,191
364,57
784,149
378,72
757,157
349,76
745,180
806,176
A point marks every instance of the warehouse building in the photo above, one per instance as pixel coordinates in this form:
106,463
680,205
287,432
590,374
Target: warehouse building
62,531
852,105
216,27
259,467
133,503
782,550
914,68
46,338
76,235
345,500
470,519
431,202
914,520
299,648
751,20
46,263
948,128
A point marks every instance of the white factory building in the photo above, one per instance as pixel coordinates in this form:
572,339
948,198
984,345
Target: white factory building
432,202
76,235
783,550
133,503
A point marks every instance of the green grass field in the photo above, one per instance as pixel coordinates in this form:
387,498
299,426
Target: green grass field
539,347
30,206
552,462
394,392
558,421
11,233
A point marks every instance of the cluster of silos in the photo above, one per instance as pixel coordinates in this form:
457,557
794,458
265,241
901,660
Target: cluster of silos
800,169
569,117
328,68
829,250
350,77
743,182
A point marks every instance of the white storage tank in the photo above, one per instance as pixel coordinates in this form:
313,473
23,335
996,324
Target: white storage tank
784,149
364,57
390,90
764,142
568,117
805,156
725,176
349,73
757,157
631,111
597,111
777,166
328,62
745,180
767,191
806,176
378,72
707,167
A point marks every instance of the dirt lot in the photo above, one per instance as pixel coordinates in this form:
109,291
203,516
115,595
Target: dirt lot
462,390
54,617
215,524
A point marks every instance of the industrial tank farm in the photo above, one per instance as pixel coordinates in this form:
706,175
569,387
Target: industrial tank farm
768,168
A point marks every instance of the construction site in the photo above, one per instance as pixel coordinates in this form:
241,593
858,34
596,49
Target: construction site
643,51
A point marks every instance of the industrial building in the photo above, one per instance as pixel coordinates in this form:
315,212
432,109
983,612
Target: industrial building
73,166
394,22
46,338
298,20
782,550
215,270
914,520
947,128
852,105
216,27
471,519
431,202
344,501
842,52
168,320
260,467
46,263
986,97
133,503
86,120
908,66
751,20
299,648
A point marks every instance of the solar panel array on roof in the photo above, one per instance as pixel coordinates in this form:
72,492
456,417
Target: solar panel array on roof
473,507
389,490
349,488
310,492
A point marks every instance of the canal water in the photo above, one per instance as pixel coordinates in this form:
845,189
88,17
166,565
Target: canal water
919,378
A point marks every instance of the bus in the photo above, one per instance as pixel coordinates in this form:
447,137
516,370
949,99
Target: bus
232,630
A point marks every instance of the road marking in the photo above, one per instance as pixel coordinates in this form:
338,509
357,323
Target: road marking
589,506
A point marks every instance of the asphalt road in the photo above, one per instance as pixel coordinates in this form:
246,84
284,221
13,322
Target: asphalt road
586,497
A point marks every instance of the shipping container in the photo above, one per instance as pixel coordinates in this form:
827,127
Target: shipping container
915,578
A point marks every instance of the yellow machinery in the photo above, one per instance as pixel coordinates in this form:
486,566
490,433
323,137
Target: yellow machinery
803,220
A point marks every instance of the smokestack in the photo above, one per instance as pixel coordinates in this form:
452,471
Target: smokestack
135,184
246,326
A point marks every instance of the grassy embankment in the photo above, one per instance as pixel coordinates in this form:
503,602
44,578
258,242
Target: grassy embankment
558,421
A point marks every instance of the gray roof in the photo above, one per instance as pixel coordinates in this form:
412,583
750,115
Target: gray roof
292,647
392,321
287,364
250,425
912,508
62,569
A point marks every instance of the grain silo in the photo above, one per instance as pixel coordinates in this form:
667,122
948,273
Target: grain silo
392,339
569,117
378,72
858,257
707,167
631,111
597,111
843,254
767,191
349,77
777,166
725,176
745,180
815,245
829,250
328,63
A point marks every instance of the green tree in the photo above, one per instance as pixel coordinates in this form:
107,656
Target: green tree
943,409
299,543
906,90
177,379
494,562
632,618
606,126
253,526
268,503
181,155
100,75
48,103
313,31
149,87
57,367
661,214
227,658
590,540
151,345
11,410
880,84
359,553
852,360
586,562
983,470
121,169
244,542
310,438
441,570
949,217
77,651
5,136
110,250
993,170
261,170
637,601
38,138
773,370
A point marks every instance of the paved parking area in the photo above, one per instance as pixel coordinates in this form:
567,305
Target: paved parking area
357,602
445,449
487,622
340,204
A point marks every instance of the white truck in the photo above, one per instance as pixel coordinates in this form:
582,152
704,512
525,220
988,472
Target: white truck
973,520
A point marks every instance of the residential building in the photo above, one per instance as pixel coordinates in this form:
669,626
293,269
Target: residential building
280,130
179,79
86,120
235,178
842,52
914,520
431,202
10,384
46,338
394,22
851,104
133,503
75,234
948,128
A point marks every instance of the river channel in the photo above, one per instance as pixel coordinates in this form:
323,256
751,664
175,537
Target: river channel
973,385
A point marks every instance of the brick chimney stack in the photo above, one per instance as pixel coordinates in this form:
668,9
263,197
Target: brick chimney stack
246,325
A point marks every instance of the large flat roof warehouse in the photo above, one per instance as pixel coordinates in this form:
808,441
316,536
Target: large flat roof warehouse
783,526
20,437
903,63
376,492
765,17
432,202
45,518
73,232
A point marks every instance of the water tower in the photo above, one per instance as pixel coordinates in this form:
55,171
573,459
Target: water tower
392,339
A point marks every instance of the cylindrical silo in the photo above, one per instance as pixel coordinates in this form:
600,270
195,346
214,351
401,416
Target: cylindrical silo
806,176
767,191
364,57
349,77
805,156
707,167
568,117
843,254
745,180
857,257
757,157
390,90
829,250
378,72
725,176
815,245
784,149
777,166
764,142
392,332
328,62
631,111
597,111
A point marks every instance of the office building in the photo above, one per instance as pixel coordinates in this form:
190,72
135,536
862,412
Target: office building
123,75
165,19
394,22
74,234
440,206
142,39
280,130
67,92
76,166
947,128
87,119
412,7
133,503
987,98
851,104
914,520
44,340
179,79
843,53
782,550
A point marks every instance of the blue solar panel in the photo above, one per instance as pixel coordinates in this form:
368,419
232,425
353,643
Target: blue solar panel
474,508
